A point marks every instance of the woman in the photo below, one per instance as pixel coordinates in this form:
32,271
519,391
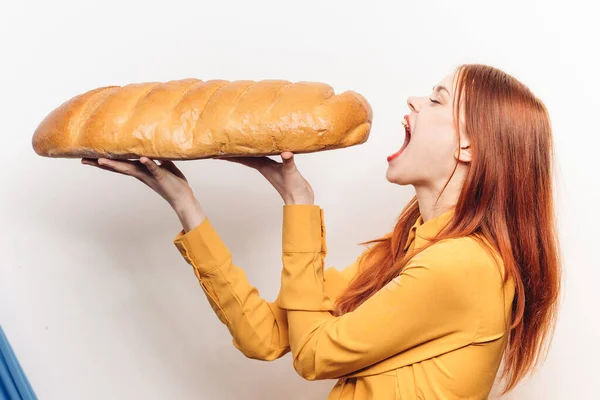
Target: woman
469,275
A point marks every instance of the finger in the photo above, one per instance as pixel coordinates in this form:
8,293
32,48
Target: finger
152,167
126,167
171,167
239,160
253,162
94,163
288,161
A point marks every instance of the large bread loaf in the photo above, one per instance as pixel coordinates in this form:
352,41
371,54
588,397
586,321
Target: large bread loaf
191,119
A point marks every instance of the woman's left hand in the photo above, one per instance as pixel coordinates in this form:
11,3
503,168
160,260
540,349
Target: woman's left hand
284,176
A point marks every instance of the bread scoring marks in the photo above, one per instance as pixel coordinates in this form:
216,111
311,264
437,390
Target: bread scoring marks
145,132
182,136
229,124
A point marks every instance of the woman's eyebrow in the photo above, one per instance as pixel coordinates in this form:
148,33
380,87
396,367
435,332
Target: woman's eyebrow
440,88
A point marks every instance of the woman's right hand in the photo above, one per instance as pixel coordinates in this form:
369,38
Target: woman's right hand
284,176
165,179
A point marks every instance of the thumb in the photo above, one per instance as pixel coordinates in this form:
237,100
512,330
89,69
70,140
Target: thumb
288,161
154,169
171,167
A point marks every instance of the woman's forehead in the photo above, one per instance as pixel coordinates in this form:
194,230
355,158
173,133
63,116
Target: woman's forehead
448,82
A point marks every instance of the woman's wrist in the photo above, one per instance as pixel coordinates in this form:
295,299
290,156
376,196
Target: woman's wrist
299,200
190,213
294,202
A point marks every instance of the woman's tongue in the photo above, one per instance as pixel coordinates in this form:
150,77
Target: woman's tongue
396,154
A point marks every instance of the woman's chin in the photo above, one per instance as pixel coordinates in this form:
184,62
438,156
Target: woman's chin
395,177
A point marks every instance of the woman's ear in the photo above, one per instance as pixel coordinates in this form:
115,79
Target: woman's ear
465,153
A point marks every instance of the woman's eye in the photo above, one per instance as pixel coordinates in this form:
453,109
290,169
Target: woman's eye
435,101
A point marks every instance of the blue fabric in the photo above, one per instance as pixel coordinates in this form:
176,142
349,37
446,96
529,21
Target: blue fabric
13,382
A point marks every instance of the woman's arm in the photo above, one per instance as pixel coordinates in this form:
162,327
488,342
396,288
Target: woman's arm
259,328
430,299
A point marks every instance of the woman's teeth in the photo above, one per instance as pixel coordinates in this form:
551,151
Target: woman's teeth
406,140
405,123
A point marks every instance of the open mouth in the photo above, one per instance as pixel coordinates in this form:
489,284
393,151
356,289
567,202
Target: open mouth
407,135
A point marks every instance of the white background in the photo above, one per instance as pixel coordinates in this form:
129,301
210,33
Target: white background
96,300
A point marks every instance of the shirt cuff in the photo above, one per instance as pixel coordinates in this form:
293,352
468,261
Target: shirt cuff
303,229
202,247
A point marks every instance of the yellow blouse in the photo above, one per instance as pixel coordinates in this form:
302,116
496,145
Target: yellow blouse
437,331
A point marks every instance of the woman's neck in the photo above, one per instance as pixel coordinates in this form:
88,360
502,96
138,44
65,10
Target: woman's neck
427,197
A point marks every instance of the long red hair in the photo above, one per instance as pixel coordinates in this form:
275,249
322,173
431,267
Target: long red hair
506,199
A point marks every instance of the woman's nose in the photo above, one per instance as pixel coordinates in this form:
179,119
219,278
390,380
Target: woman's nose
413,103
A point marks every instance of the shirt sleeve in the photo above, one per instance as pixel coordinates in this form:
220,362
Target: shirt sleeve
259,328
424,303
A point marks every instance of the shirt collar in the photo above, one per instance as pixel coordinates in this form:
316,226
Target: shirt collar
420,232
